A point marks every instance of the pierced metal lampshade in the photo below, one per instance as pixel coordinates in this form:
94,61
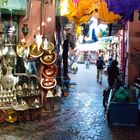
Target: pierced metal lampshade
49,71
48,57
48,83
34,51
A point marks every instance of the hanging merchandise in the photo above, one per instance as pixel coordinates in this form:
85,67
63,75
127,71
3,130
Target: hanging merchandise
35,50
11,31
104,16
49,71
3,68
123,8
22,49
9,55
25,29
47,45
48,83
81,12
75,1
8,80
48,57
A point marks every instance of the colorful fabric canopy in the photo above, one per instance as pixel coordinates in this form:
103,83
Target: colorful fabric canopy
105,16
81,11
123,7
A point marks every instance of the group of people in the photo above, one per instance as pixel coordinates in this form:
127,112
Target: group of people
112,70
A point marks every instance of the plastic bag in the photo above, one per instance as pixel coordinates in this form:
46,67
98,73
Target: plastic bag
121,94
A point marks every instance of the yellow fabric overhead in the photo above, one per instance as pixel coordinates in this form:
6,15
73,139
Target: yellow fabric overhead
82,11
104,15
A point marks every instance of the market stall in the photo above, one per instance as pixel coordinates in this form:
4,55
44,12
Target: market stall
27,65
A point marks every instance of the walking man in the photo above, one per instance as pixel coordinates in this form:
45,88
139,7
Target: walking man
100,64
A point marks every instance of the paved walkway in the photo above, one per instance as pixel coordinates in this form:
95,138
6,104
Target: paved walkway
81,116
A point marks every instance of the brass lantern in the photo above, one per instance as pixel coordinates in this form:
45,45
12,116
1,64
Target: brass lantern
48,57
35,51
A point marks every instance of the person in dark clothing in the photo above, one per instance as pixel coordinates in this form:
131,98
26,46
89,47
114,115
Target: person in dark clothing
65,55
113,73
100,65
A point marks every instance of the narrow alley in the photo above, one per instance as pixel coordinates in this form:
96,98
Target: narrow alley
81,116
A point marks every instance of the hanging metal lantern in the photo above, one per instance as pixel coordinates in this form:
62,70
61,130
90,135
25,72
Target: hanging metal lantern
49,71
47,46
25,29
10,56
48,57
22,49
48,83
34,51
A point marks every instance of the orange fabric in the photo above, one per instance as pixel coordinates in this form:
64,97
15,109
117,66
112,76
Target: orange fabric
82,11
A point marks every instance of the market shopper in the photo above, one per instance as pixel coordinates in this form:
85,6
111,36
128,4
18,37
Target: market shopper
32,66
113,73
100,65
87,61
110,60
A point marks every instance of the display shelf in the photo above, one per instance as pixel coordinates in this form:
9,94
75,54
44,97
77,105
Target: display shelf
10,44
28,96
7,107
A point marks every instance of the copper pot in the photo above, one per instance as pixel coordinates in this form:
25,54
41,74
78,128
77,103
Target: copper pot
48,83
2,116
34,51
49,71
11,115
48,57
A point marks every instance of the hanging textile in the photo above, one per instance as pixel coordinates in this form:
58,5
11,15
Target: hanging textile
80,11
123,7
75,1
104,16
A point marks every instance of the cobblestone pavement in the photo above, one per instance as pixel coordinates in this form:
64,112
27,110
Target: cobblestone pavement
81,116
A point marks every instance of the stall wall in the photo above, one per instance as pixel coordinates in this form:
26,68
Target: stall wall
134,49
37,21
